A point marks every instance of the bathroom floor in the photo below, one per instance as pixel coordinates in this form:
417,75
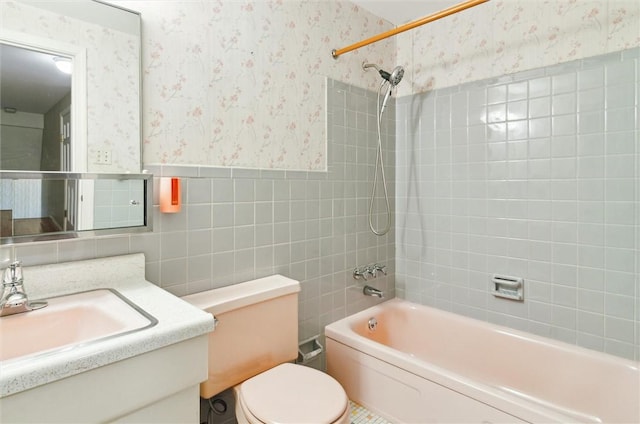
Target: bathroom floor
361,415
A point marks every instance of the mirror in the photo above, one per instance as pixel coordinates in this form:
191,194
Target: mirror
100,121
42,206
83,125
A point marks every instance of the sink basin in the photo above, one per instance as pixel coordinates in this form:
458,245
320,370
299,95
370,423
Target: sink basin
70,321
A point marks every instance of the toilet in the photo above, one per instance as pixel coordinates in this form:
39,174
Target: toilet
252,348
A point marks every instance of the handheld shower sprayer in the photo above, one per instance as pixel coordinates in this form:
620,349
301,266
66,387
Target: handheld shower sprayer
390,80
386,98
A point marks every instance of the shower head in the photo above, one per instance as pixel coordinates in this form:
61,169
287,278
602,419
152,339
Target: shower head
394,77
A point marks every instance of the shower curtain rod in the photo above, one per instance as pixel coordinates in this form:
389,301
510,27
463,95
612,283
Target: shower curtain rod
438,15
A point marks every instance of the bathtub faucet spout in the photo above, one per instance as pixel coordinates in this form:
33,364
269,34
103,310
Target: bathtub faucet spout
372,291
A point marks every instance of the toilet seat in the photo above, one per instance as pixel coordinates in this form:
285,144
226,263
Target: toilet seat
293,394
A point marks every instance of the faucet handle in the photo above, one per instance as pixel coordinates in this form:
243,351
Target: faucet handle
380,268
371,270
13,274
360,273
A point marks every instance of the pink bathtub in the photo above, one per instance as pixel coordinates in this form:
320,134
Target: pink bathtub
423,365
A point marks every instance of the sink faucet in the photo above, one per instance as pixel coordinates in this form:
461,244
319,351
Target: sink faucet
372,291
14,299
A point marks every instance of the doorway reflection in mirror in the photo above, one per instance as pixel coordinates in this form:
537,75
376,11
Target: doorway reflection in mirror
36,103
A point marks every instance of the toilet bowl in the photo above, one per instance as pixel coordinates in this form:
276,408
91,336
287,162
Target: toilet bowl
291,394
251,350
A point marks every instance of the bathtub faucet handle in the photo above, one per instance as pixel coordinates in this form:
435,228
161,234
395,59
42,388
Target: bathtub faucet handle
370,270
379,268
360,274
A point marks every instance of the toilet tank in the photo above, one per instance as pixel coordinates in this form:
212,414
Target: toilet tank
257,329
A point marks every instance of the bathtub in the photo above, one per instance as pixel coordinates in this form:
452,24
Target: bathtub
424,365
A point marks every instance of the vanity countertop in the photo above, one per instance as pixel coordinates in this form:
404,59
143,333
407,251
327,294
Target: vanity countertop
177,320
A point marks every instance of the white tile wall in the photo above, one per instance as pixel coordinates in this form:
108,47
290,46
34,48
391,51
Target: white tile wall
534,175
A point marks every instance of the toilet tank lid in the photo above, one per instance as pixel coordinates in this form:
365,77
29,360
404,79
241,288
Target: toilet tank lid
225,299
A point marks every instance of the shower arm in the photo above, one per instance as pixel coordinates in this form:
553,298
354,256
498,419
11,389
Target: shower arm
434,17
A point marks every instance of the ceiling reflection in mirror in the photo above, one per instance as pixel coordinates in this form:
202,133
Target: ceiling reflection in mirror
103,43
34,207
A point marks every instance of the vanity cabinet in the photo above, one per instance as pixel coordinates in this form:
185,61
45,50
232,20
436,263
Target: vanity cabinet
161,386
146,376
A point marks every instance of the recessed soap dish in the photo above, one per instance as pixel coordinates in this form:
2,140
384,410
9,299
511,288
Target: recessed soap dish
507,287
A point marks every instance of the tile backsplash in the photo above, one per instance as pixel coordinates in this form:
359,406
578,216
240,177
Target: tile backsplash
533,175
238,224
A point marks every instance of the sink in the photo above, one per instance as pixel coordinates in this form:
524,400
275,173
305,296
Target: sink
70,321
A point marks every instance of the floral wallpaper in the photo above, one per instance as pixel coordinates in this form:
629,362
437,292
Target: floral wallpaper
507,36
241,83
112,82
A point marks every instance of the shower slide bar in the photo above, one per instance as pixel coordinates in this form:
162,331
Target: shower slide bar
402,28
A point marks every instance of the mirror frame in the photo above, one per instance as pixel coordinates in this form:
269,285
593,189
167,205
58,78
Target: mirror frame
79,156
32,175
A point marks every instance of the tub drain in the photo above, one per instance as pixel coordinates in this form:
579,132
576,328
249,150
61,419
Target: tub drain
372,324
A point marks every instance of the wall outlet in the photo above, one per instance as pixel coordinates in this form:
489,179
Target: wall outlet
103,157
